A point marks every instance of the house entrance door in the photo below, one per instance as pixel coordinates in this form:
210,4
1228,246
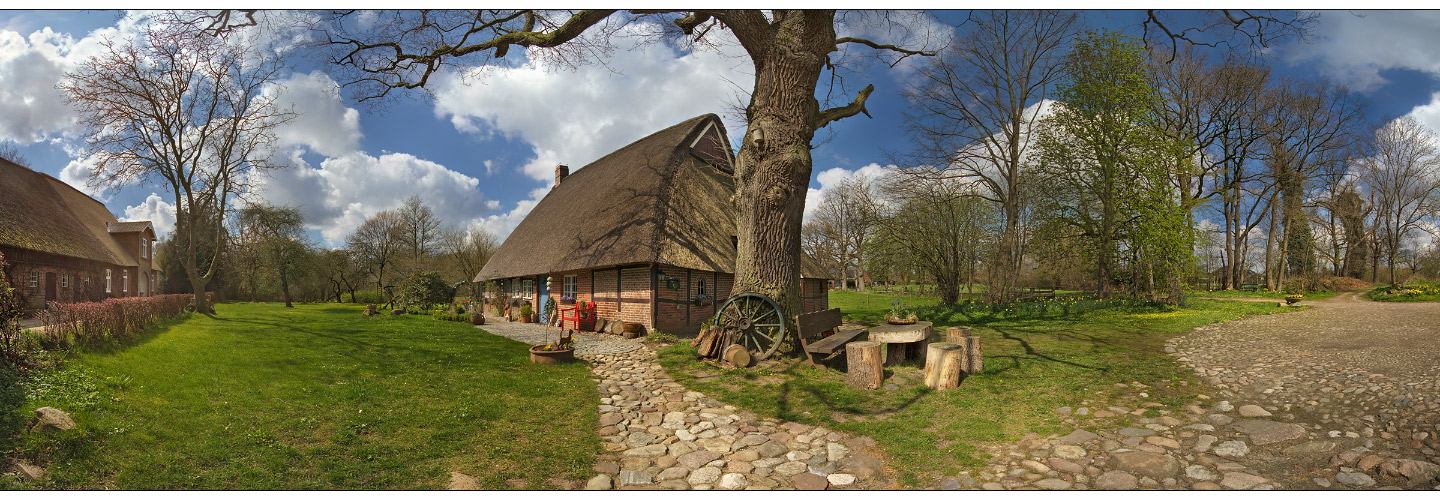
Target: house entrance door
50,294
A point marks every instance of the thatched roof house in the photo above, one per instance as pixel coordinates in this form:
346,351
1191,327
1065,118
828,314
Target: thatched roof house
647,232
62,245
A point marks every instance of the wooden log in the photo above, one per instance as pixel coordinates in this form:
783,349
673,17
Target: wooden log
738,355
943,365
954,334
864,367
974,359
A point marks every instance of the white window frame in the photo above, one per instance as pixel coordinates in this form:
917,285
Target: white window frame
569,288
65,280
109,275
527,288
34,280
142,248
125,280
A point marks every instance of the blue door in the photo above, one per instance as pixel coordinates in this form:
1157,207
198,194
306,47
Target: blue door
540,302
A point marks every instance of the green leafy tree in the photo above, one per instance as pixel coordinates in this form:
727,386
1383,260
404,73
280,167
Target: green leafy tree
276,236
1105,171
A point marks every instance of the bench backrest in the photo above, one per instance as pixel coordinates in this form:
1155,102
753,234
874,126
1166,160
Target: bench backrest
815,324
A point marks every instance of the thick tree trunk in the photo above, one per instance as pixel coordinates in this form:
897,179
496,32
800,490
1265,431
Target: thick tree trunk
772,170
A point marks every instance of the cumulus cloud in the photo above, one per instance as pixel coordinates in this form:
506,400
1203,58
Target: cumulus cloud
830,178
341,192
502,224
1429,114
155,209
1355,46
642,87
31,108
322,123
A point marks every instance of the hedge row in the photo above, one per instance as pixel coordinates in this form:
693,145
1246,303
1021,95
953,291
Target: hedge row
89,323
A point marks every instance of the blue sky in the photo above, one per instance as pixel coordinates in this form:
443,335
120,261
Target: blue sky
482,150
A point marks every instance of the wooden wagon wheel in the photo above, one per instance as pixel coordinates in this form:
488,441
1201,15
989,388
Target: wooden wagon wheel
758,320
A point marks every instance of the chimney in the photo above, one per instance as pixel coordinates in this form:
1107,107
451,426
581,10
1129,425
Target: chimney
561,172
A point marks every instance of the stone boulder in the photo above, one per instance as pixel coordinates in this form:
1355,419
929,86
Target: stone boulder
1263,432
1146,463
48,419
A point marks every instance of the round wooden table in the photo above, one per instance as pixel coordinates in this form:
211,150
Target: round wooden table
903,341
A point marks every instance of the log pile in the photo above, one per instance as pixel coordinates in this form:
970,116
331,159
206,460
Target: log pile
712,341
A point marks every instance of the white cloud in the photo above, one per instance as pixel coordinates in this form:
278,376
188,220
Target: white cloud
31,108
1429,114
322,123
502,224
1354,47
337,196
829,178
641,88
155,209
77,174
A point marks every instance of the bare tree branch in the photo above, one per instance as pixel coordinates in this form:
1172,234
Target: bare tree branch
854,108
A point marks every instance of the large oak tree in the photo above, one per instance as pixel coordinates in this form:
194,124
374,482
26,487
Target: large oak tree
790,50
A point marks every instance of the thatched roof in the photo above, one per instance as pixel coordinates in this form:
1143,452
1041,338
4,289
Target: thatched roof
129,227
39,212
664,198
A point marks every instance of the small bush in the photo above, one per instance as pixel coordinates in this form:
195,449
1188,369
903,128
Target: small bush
370,297
423,290
659,336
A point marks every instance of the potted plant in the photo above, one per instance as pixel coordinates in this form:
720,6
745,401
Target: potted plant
585,310
477,319
560,351
900,314
525,312
1293,298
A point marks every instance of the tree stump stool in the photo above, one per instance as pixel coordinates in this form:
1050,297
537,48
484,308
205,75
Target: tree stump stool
974,360
954,334
943,365
865,369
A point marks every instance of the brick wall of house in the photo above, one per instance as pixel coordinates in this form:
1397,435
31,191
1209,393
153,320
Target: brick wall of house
73,289
635,297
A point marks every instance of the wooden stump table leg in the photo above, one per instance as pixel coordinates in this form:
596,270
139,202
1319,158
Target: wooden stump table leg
894,354
864,367
943,365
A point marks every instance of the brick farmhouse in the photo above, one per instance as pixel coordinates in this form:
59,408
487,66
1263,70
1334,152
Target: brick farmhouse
646,232
62,245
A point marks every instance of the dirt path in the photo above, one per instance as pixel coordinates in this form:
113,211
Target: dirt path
1362,377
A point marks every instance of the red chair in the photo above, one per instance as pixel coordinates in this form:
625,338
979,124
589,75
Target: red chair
572,314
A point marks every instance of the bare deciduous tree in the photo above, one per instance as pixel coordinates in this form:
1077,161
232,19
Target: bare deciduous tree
185,109
844,222
974,108
421,229
1401,168
376,244
468,249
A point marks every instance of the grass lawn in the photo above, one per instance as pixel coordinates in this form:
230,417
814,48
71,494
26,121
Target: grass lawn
1417,291
1032,366
316,397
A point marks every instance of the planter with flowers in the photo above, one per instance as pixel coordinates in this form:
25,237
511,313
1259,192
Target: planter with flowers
527,313
900,314
560,351
1293,298
703,299
566,300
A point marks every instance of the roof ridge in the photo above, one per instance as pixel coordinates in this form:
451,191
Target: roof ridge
57,180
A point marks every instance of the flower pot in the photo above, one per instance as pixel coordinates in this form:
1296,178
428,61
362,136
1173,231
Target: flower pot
551,357
527,319
477,319
1291,301
567,302
901,321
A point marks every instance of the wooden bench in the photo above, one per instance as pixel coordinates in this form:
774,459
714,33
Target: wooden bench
812,326
1249,287
1040,292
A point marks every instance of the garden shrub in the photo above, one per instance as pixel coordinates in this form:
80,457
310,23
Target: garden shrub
16,347
423,290
90,323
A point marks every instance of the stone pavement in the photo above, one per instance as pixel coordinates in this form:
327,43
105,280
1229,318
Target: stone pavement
659,435
537,334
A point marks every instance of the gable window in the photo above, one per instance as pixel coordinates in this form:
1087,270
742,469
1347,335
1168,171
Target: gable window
568,289
65,280
142,248
34,279
108,275
125,281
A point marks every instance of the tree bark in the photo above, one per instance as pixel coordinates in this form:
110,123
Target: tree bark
974,358
956,334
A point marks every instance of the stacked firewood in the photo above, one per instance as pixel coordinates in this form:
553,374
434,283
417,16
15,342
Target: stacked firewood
713,340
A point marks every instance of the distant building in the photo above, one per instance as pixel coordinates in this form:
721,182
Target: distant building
646,232
62,245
